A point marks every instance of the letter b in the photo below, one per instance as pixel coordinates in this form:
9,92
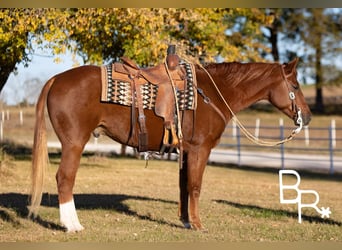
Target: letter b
283,187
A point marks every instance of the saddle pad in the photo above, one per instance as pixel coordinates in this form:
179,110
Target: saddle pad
119,91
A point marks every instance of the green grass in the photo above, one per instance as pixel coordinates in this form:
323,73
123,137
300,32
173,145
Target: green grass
119,200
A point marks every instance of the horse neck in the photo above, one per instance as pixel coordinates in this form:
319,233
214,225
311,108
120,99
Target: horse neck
245,84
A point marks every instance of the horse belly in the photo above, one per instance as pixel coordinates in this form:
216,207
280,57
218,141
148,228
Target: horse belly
116,124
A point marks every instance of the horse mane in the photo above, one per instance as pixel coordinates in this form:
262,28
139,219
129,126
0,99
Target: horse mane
233,73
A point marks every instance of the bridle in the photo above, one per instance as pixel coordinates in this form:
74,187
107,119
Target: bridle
251,137
296,111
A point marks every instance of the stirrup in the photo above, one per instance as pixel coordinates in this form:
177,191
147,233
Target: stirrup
170,140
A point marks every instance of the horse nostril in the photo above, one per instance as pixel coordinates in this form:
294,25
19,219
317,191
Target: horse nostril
306,119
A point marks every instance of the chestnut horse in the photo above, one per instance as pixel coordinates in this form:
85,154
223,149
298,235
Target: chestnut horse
75,111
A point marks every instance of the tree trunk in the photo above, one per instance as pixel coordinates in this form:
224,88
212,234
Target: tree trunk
274,41
5,70
273,38
319,105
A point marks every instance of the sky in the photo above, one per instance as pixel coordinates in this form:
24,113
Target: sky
41,68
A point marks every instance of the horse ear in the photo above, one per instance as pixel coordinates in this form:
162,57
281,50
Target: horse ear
291,66
294,63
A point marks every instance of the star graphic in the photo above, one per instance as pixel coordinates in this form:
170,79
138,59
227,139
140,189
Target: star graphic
325,212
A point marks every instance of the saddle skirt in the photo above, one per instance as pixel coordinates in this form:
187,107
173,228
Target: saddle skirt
117,87
163,88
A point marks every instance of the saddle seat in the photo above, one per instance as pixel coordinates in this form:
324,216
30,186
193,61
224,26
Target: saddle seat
156,75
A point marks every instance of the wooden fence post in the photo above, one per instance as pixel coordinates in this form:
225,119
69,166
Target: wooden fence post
238,144
282,146
307,135
331,148
1,131
234,129
21,118
257,128
333,133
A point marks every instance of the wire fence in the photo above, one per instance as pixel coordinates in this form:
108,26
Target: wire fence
318,144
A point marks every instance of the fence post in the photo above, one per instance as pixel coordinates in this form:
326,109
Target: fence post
257,127
282,146
1,131
307,135
234,130
238,145
331,149
21,118
333,133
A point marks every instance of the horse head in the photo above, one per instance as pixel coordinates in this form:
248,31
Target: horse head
288,97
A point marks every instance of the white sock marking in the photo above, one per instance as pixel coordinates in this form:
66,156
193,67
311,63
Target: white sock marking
68,216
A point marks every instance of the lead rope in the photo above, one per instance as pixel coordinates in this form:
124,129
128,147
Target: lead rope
251,137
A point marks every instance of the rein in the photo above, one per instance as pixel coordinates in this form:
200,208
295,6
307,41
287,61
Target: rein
250,136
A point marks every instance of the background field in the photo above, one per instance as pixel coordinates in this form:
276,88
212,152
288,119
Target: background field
119,200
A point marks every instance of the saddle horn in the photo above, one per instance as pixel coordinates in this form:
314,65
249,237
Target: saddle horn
172,58
171,50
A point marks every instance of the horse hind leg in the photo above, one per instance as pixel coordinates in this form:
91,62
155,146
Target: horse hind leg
65,178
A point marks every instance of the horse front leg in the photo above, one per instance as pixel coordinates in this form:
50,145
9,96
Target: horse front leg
65,178
196,162
183,212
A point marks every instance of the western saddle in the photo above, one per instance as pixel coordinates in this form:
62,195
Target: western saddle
168,77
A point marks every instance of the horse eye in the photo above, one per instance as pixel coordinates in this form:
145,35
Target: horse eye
296,87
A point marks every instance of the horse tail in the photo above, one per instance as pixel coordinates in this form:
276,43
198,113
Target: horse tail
40,155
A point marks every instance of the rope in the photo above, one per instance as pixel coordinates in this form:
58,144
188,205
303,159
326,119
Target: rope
179,124
250,136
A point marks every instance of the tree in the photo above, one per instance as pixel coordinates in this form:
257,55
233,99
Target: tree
18,28
13,41
320,31
144,34
284,23
104,35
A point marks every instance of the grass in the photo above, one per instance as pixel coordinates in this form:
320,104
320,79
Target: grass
119,200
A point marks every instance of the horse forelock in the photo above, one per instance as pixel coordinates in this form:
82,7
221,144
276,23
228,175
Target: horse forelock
233,73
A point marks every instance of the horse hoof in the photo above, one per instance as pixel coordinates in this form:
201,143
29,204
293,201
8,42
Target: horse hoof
200,228
187,225
74,228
